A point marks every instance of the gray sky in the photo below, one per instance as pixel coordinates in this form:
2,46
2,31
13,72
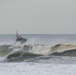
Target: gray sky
38,16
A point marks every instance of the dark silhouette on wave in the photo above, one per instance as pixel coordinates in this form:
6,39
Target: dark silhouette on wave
20,38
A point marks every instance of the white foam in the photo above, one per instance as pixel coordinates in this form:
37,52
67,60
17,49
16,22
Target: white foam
47,49
36,69
2,59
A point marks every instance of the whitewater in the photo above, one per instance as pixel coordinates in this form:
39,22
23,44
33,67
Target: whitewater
42,54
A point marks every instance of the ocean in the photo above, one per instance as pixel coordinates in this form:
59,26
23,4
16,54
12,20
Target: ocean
38,48
42,54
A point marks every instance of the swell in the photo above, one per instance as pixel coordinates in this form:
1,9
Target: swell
66,53
4,50
21,56
5,47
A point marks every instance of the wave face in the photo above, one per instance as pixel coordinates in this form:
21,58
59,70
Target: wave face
37,47
25,52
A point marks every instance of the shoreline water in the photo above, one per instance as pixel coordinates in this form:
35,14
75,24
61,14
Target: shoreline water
36,69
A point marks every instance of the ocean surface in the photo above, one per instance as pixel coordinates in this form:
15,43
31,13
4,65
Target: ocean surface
39,48
41,54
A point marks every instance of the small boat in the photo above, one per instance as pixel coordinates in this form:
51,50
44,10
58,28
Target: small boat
20,38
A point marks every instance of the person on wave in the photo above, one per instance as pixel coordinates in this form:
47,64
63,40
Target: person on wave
19,38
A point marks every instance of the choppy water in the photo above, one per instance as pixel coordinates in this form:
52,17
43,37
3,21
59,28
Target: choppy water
45,48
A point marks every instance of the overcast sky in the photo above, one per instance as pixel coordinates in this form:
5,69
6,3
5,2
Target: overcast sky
38,16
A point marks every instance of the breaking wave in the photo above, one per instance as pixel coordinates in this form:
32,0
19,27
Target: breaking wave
28,51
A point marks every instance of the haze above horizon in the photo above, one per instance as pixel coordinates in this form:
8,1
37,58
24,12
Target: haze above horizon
38,16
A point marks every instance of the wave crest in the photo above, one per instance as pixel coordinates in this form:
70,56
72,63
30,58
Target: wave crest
28,51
